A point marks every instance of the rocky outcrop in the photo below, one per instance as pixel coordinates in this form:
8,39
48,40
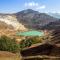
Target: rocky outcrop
12,20
44,49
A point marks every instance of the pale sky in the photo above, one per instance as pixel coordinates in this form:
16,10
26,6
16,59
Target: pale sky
13,6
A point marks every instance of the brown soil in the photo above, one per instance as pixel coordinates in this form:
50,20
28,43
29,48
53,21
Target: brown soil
6,54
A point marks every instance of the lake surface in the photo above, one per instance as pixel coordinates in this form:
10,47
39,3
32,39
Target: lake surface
30,33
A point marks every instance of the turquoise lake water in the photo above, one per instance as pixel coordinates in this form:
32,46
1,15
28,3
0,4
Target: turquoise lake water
30,33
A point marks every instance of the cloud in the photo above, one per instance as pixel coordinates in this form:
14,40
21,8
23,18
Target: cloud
41,7
31,4
34,5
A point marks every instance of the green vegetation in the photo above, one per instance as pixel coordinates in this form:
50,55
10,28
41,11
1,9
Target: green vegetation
8,44
30,41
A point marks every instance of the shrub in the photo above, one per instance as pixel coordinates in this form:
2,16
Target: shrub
28,42
8,44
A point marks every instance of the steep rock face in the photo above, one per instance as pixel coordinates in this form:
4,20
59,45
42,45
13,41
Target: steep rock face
6,29
3,25
11,20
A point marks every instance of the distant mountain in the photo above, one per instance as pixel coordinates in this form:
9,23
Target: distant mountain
52,25
34,19
56,15
27,19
